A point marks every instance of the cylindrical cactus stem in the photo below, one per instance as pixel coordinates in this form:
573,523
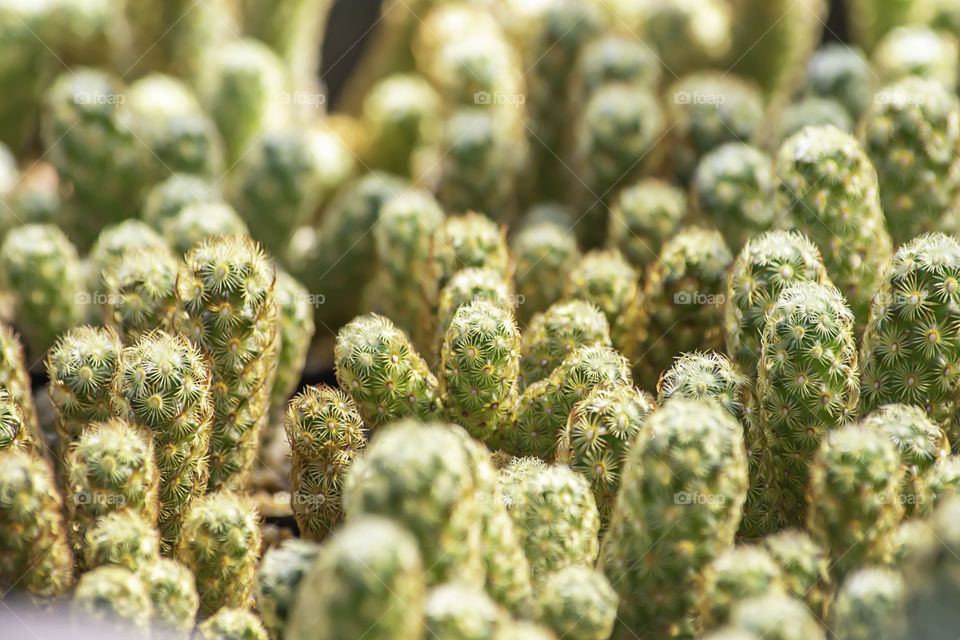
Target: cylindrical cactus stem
401,111
480,363
544,251
552,336
808,385
873,19
377,366
942,480
705,376
829,186
278,579
688,36
232,623
162,383
295,306
776,616
166,198
804,568
226,307
40,269
912,135
15,378
325,433
116,597
598,434
367,581
854,507
808,111
843,73
544,407
907,353
871,603
34,553
397,478
577,603
125,538
738,573
453,610
466,286
682,488
220,543
109,468
613,57
198,221
917,50
111,243
141,292
173,591
15,431
643,217
605,278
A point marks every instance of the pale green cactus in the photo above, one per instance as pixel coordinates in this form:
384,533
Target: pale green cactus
113,241
544,251
554,335
810,111
140,292
114,596
165,199
943,479
643,217
614,57
917,50
870,604
296,332
15,379
577,603
689,36
737,574
608,280
173,591
873,19
124,538
15,432
776,616
232,623
401,112
705,376
199,221
804,568
453,610
278,578
843,73
466,286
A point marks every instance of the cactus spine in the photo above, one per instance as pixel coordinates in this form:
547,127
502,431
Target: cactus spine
551,337
704,376
124,538
14,429
141,292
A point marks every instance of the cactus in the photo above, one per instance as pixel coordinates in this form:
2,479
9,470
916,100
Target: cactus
368,350
682,488
110,468
553,336
545,405
776,616
616,135
577,603
704,376
737,574
643,217
454,611
325,432
555,515
871,20
232,623
116,597
173,592
914,306
471,285
162,383
682,302
141,292
870,604
34,553
804,568
125,538
606,279
598,434
398,477
166,198
942,479
480,364
39,268
278,579
226,307
296,331
930,577
810,111
916,50
401,111
15,380
113,241
199,221
689,35
15,432
613,57
220,543
367,581
843,73
708,109
544,251
735,188
854,501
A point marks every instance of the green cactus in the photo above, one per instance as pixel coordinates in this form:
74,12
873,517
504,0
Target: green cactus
598,434
688,36
34,553
577,603
706,110
872,19
683,300
544,251
466,286
804,568
615,137
140,292
220,543
737,574
843,73
325,433
379,369
232,623
455,611
15,379
173,592
734,188
279,577
870,604
400,111
605,278
916,50
113,241
227,308
480,363
39,268
296,331
854,500
643,217
614,57
682,488
544,407
110,468
165,199
555,515
776,616
556,334
943,479
367,581
914,306
810,111
199,221
125,538
114,596
15,432
163,384
399,477
704,376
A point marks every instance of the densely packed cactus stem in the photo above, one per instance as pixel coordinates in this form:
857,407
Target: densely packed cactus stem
871,604
608,280
141,292
232,623
705,376
15,379
578,603
742,572
124,538
544,251
278,579
804,568
776,616
552,336
452,610
173,591
116,597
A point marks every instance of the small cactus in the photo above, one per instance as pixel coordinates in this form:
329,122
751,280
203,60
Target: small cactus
643,217
220,543
296,331
454,611
606,279
400,111
232,623
810,111
870,20
551,337
804,568
737,574
198,221
931,580
917,50
614,57
173,591
279,577
871,604
577,603
843,73
677,31
704,376
325,432
544,250
467,286
14,429
166,198
776,616
115,596
123,538
15,378
141,292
